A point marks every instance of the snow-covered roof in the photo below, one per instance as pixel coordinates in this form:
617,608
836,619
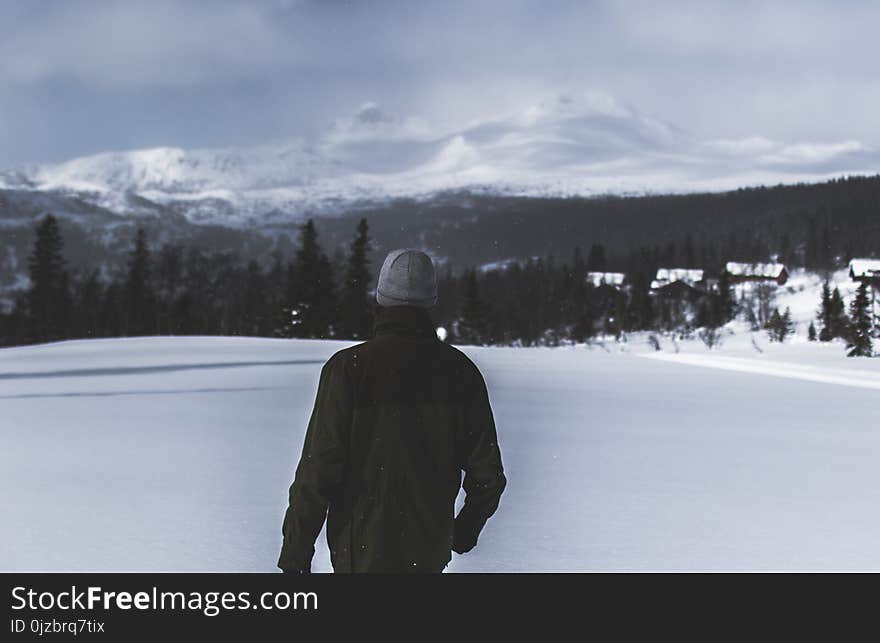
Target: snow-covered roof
656,285
501,265
763,270
668,275
607,278
865,268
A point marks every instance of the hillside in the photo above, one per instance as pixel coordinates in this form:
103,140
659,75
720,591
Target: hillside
806,225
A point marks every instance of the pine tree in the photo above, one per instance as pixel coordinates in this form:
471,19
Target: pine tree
839,321
283,282
690,256
578,265
811,332
825,316
726,303
812,250
112,311
314,309
596,260
772,325
327,301
48,299
640,306
139,297
584,317
169,283
825,252
615,314
355,308
779,326
707,313
859,339
256,317
787,324
88,306
471,328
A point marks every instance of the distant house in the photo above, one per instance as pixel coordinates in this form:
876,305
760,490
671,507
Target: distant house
759,272
865,270
610,279
690,277
678,290
679,283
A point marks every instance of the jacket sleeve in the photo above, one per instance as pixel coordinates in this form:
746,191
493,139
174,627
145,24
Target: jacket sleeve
319,474
480,459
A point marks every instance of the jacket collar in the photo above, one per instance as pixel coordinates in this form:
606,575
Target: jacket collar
411,321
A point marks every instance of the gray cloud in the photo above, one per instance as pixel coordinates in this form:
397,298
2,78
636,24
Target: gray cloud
111,45
795,81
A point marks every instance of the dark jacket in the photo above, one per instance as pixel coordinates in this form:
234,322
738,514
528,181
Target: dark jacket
396,421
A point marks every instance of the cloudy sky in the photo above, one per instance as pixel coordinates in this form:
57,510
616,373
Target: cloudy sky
791,82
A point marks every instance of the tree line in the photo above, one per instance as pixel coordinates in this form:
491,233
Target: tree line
814,226
546,302
179,290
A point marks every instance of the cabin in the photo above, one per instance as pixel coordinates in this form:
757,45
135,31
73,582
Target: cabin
678,293
677,290
678,281
756,272
865,270
611,279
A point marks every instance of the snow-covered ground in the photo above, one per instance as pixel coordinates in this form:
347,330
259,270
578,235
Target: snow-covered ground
176,454
803,293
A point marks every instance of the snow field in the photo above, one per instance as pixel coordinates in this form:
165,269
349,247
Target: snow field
176,454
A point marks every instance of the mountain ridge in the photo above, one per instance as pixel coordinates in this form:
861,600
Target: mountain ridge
582,146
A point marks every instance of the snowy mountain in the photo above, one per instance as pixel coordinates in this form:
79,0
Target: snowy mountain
566,146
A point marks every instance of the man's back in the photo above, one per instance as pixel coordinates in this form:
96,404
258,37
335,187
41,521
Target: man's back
396,420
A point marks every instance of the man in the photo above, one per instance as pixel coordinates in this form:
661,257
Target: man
395,422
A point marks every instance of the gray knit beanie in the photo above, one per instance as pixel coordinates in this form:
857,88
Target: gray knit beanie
407,278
